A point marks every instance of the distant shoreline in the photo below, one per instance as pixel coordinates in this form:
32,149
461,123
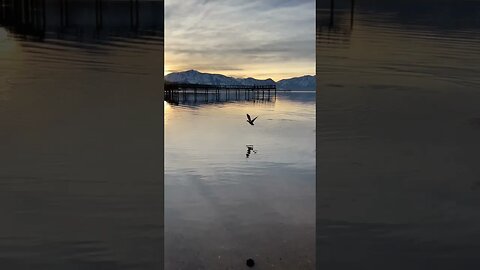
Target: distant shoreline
298,91
306,82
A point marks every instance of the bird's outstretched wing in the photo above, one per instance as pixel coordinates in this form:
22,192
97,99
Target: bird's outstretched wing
248,117
254,119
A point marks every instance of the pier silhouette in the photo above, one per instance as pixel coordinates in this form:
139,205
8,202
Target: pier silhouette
336,15
39,17
333,9
335,22
177,93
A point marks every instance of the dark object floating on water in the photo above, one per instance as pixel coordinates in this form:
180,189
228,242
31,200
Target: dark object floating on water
250,262
250,120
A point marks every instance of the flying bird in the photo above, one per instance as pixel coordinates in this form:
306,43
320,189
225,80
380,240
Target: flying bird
250,120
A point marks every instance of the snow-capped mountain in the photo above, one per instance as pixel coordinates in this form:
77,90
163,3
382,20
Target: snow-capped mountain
304,83
193,76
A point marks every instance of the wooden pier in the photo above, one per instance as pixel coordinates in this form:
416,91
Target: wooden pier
183,92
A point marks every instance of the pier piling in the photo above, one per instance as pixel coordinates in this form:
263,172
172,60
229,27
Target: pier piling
178,91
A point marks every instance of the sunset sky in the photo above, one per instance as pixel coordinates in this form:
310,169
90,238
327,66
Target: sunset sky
249,38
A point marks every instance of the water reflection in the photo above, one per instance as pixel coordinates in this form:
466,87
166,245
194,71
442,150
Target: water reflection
191,98
222,207
80,126
78,18
396,141
250,150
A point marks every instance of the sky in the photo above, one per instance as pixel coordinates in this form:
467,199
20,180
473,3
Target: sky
241,38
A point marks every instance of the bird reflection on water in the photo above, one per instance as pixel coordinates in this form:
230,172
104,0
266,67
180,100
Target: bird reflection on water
250,150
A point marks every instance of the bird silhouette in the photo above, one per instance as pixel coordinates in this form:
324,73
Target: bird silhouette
250,120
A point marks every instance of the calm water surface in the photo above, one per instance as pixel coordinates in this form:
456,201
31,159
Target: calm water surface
81,148
222,207
398,135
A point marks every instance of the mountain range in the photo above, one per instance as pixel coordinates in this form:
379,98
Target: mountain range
303,83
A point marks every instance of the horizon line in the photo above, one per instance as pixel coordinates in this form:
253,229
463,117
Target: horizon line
235,77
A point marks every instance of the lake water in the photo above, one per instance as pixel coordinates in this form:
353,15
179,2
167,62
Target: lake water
81,144
224,205
398,135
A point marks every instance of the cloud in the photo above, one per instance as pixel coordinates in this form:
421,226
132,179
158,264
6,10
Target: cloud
243,35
